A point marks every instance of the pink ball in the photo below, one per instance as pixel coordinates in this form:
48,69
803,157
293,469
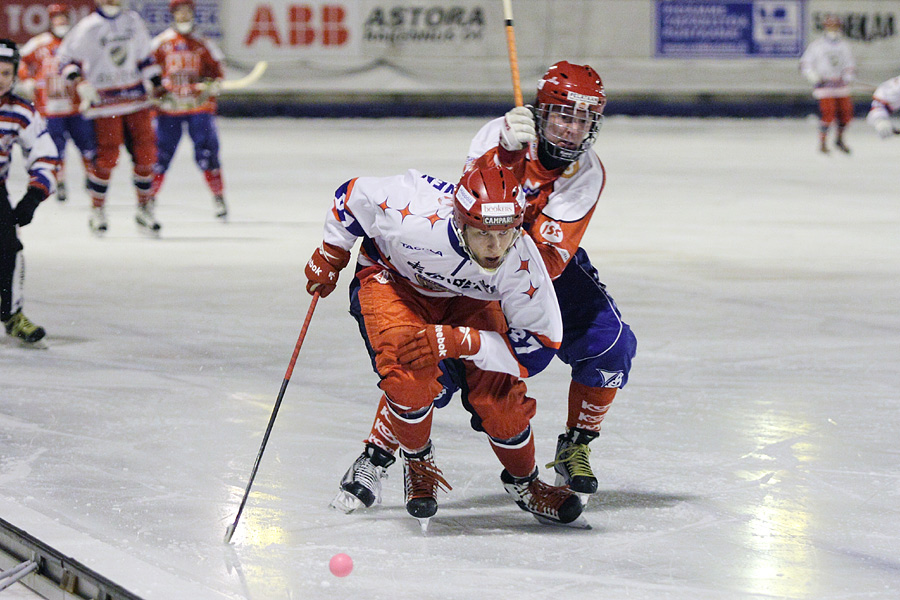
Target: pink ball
340,565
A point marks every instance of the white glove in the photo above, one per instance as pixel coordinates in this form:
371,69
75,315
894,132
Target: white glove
88,94
25,88
884,128
211,88
812,76
518,129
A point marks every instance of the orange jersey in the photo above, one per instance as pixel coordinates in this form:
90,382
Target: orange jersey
53,95
186,61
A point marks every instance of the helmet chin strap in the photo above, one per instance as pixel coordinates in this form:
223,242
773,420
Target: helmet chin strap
547,160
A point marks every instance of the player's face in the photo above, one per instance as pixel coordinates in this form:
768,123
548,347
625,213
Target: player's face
183,13
568,127
59,25
488,248
7,75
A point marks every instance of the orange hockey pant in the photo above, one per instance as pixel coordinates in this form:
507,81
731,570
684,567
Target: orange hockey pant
842,108
135,131
392,311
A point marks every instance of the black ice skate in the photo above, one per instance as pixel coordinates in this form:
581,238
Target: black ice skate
61,191
221,207
572,462
98,222
549,504
361,484
840,145
422,479
21,328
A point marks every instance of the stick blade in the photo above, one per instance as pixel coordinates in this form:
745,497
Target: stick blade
228,533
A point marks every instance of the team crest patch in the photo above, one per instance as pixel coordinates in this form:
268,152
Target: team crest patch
118,54
612,379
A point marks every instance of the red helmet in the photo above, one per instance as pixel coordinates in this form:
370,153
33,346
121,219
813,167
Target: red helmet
574,85
57,9
570,103
173,4
488,198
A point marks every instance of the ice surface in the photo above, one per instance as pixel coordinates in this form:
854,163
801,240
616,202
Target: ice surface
754,454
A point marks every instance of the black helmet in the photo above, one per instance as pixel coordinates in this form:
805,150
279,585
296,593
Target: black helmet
9,52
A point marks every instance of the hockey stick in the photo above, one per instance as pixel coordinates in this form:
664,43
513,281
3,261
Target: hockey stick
287,377
511,47
248,79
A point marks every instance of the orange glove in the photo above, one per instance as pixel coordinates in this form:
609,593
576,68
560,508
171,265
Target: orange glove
437,342
323,268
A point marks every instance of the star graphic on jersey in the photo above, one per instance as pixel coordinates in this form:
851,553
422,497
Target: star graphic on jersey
531,291
435,219
523,266
383,206
405,212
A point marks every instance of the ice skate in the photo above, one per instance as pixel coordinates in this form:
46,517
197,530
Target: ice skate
19,326
361,484
422,479
572,462
61,194
549,504
840,145
146,221
823,148
97,222
221,207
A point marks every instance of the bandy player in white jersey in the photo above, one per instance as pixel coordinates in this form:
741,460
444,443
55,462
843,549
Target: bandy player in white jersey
109,57
449,293
885,101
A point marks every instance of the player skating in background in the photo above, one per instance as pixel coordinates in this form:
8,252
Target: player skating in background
54,96
192,72
449,296
885,102
562,180
20,124
829,65
107,54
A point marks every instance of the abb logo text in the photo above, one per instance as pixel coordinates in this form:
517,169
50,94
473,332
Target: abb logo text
303,25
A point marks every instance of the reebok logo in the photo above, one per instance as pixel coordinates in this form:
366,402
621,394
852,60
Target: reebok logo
441,341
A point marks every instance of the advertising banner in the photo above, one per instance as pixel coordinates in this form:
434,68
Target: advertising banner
729,28
21,20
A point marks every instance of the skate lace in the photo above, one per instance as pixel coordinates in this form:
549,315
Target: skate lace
576,459
546,499
424,479
22,325
367,474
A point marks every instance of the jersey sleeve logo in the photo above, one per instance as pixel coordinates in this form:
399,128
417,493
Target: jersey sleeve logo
552,232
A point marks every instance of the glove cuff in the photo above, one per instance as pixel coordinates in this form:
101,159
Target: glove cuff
336,256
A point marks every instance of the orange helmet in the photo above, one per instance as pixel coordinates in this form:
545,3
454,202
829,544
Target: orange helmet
173,4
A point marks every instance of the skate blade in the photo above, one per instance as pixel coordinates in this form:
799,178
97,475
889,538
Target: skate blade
346,502
41,344
579,523
423,524
583,496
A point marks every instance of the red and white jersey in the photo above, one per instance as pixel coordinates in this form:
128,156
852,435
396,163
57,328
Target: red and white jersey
21,124
886,99
53,95
560,203
187,60
114,55
406,223
831,64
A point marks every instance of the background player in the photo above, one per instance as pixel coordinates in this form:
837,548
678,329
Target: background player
54,97
452,257
562,180
829,65
192,73
885,101
22,125
107,54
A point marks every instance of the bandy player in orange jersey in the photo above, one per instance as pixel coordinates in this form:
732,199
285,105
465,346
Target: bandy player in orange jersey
54,97
192,72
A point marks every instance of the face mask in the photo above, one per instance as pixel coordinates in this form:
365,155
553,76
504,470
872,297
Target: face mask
832,35
60,31
184,28
111,11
